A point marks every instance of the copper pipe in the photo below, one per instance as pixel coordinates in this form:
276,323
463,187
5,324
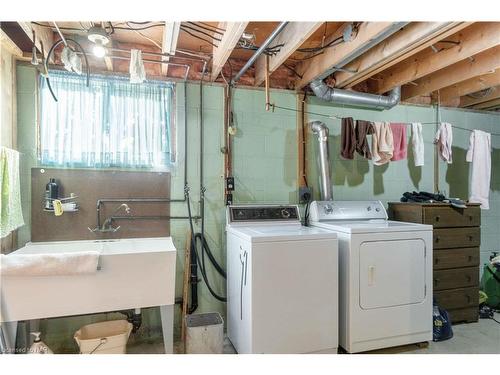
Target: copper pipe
267,82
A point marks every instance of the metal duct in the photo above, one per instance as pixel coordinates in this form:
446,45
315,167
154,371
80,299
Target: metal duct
321,130
357,99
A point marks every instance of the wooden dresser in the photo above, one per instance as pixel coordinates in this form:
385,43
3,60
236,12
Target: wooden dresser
457,236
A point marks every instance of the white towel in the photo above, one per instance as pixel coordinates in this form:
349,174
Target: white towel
479,154
11,215
60,264
136,68
417,141
382,143
443,139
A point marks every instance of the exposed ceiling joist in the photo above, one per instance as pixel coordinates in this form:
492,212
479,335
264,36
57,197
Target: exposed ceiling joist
43,34
480,64
475,39
492,104
9,45
231,37
470,86
368,35
296,34
412,39
169,42
469,101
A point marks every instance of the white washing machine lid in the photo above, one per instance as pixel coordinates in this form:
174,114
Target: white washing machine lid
372,226
269,233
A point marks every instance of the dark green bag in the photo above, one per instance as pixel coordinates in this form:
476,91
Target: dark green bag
490,284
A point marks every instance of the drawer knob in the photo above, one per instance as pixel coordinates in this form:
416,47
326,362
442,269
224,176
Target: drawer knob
437,218
468,298
470,258
470,218
468,278
471,238
437,238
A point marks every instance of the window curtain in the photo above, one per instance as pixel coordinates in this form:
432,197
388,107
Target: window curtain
111,123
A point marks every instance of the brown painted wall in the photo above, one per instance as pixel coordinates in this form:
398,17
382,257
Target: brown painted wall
89,186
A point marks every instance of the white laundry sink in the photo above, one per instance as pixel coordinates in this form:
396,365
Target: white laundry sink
133,273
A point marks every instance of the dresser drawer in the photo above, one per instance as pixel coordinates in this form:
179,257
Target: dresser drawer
457,298
455,278
456,258
456,237
468,314
449,217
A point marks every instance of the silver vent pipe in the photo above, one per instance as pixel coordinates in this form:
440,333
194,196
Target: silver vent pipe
321,130
353,98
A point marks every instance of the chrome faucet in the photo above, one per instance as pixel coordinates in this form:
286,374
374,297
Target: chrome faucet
107,226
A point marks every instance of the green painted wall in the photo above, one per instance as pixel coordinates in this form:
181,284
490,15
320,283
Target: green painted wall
265,161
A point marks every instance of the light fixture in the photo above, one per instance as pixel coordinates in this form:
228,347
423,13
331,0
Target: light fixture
100,38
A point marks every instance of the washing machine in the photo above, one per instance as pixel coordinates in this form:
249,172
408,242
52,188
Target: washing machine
282,282
385,275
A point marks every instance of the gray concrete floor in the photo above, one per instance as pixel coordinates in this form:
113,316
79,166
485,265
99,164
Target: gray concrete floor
482,337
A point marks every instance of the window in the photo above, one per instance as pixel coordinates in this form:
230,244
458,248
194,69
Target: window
111,123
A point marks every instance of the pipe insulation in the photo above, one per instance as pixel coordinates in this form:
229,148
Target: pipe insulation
320,129
356,99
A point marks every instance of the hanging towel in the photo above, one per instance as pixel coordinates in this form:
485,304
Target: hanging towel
382,143
479,154
11,216
60,264
417,141
443,139
348,138
399,139
136,69
362,129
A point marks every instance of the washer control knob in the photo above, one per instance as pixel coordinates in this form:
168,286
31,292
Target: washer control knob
377,209
369,208
285,213
328,209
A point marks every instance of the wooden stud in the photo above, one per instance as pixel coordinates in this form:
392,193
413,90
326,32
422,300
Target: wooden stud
43,34
480,64
470,86
296,34
475,39
322,65
412,39
225,47
169,42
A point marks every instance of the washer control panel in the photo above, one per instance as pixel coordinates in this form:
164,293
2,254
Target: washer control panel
347,210
263,213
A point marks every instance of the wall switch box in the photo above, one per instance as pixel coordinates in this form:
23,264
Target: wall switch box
230,183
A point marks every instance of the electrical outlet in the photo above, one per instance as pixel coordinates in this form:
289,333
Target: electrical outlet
229,199
305,194
230,183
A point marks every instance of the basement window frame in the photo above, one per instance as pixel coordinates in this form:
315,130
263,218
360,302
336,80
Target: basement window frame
167,166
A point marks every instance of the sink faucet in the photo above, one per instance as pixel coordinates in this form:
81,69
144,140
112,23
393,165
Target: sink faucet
107,226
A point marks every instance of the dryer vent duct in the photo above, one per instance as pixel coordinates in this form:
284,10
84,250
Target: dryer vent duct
356,99
320,129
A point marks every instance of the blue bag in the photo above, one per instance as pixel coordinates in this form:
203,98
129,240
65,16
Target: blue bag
441,324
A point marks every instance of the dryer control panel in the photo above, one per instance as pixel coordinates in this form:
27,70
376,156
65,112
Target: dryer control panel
347,210
258,214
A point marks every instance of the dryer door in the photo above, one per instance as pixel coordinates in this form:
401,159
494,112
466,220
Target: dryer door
391,273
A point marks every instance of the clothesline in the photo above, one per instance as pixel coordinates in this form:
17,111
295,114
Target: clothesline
340,118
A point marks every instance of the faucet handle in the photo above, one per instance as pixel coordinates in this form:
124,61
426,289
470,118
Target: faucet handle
116,229
93,230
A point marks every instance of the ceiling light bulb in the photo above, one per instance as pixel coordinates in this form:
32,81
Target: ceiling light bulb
99,50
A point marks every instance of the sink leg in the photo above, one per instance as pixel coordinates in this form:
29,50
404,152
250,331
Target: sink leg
8,332
167,324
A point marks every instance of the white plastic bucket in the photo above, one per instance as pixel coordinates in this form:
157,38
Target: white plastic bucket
204,333
104,338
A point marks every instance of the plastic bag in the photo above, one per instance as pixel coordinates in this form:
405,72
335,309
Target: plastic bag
441,324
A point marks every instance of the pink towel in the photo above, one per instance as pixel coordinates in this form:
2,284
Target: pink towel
399,139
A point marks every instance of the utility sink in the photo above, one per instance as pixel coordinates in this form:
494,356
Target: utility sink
133,273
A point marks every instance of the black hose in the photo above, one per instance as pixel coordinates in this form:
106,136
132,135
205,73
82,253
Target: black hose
48,58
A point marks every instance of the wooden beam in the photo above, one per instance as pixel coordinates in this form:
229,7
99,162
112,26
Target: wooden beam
169,42
43,34
296,34
368,35
493,94
9,45
475,39
412,39
469,86
221,53
482,63
488,105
